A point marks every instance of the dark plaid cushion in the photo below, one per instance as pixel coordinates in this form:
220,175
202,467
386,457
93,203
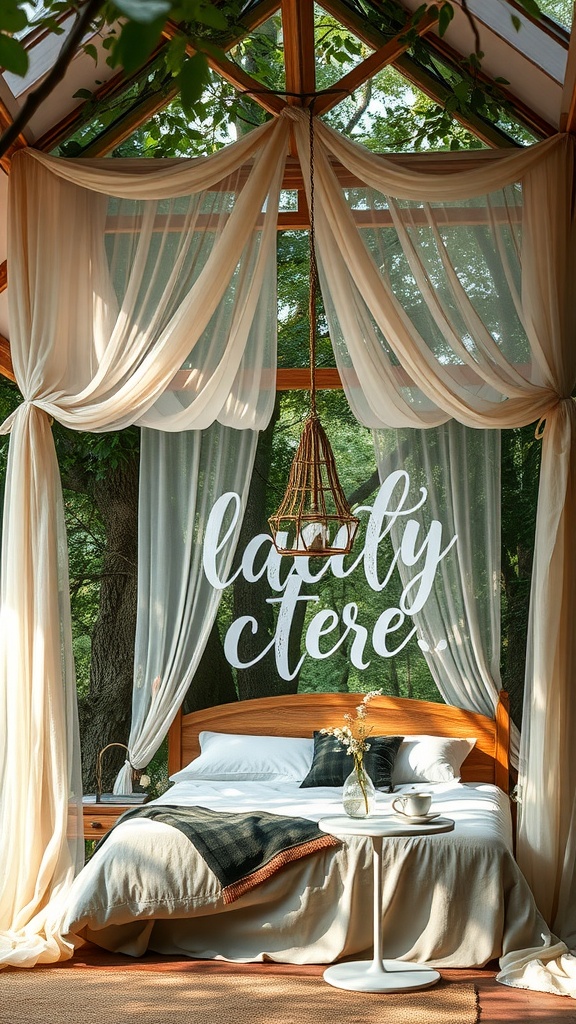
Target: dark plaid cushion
331,764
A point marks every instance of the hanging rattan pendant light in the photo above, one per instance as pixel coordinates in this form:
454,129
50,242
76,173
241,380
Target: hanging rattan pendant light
314,517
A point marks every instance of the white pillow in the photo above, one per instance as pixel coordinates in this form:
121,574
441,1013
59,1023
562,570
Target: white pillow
430,759
226,757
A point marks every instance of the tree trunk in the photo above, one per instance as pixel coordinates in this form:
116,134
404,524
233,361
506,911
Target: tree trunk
105,712
517,590
213,682
394,682
520,479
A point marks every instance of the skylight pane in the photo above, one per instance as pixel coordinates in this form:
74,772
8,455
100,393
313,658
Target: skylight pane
35,10
560,10
338,51
531,39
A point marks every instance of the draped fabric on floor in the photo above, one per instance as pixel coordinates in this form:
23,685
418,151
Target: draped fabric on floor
144,292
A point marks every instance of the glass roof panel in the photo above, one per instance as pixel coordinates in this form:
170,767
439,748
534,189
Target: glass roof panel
541,47
390,114
560,10
261,55
35,10
43,50
338,50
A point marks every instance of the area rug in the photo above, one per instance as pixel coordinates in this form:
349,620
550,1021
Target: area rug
52,995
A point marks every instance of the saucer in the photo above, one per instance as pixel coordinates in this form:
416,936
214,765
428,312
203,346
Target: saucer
416,819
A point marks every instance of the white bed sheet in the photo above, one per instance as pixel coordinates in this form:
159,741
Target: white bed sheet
456,899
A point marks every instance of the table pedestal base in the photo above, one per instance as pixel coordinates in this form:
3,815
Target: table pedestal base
386,976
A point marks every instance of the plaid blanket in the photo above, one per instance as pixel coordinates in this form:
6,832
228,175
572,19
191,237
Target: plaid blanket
241,849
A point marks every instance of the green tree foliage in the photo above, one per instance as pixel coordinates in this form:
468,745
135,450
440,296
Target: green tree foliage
131,31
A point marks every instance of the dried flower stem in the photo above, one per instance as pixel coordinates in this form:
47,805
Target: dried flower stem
354,736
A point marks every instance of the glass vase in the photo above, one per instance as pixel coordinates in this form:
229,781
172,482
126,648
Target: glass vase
358,794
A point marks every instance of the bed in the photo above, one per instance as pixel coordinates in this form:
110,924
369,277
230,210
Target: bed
451,900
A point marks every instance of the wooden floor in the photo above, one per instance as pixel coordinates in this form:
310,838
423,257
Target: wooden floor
498,1003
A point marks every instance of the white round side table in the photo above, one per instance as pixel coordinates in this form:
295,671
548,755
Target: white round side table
379,975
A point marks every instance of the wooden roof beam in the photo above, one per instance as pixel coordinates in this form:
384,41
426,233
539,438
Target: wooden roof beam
6,368
6,122
120,82
489,134
568,102
383,55
290,220
234,74
299,64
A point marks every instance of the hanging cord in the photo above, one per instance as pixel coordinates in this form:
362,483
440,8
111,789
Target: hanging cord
313,273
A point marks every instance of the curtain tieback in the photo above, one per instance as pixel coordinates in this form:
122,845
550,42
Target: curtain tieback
6,426
541,425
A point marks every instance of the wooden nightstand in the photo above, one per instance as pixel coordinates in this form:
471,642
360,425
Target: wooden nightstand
99,818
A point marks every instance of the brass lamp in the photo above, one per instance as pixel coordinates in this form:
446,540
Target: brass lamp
314,518
138,777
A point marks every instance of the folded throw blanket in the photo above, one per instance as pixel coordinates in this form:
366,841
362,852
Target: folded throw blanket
241,849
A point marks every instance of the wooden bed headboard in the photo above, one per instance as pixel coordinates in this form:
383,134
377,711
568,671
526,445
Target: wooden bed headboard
300,714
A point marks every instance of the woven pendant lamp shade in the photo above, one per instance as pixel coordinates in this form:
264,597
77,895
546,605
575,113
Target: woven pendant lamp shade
314,517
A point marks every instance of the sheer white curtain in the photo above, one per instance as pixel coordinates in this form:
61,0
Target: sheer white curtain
182,476
445,358
457,471
140,292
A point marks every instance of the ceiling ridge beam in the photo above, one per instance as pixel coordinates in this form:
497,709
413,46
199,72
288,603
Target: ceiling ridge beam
299,51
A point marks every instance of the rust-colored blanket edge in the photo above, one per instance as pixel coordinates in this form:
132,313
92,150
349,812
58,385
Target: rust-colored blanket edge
237,889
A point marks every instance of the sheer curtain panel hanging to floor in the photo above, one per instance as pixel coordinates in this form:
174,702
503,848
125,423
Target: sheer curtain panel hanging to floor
486,336
159,312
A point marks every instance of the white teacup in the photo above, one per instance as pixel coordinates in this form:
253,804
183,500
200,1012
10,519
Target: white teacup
413,805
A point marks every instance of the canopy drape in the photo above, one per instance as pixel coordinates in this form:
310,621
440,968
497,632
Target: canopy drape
101,340
139,296
413,370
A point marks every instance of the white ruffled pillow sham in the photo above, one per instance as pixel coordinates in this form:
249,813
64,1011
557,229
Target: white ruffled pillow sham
430,759
227,757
